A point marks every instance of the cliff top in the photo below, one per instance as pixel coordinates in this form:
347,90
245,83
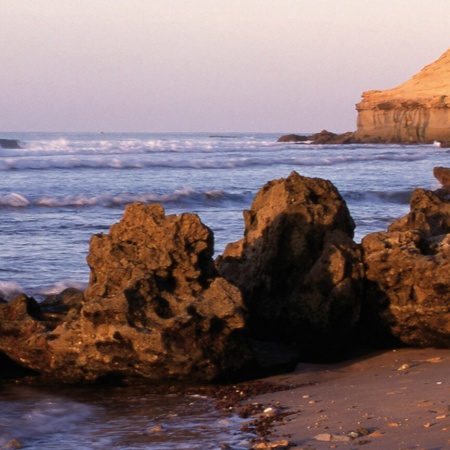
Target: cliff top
431,82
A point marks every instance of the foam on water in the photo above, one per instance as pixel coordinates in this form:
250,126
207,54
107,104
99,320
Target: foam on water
185,195
123,418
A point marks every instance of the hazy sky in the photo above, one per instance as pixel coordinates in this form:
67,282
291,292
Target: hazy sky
207,65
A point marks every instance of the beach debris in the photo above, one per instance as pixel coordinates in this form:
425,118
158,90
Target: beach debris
404,367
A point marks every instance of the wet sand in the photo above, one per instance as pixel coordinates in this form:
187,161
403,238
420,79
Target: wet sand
396,399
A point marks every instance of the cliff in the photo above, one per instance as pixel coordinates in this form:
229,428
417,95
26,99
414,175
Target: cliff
416,111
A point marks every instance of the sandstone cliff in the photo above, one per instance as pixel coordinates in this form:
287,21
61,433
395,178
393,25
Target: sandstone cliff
416,111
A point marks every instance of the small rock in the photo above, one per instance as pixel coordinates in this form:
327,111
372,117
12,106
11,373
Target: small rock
442,174
13,443
271,411
156,429
329,437
282,444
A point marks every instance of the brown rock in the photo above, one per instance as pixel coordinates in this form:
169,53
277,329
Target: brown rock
327,137
292,138
416,111
155,308
442,174
297,266
408,288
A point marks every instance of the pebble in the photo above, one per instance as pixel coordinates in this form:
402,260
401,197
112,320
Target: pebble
283,444
329,437
156,429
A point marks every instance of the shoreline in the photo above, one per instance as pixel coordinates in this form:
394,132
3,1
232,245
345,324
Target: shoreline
395,399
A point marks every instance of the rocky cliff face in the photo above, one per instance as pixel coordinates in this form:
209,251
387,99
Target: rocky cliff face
416,111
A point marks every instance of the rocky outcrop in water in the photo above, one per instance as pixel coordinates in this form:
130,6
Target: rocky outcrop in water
407,296
324,137
10,143
298,267
414,112
155,307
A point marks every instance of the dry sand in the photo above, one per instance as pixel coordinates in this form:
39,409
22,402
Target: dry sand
401,397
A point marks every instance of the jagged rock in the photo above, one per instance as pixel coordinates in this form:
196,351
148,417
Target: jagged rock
407,274
10,143
298,267
154,307
442,174
292,138
416,111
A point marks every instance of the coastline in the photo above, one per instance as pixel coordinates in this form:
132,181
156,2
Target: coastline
396,399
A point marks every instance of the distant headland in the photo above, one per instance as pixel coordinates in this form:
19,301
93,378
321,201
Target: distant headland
415,112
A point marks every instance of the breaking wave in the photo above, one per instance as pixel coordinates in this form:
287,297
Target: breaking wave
213,161
181,196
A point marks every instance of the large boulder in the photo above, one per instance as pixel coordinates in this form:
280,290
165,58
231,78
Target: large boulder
298,267
155,308
407,276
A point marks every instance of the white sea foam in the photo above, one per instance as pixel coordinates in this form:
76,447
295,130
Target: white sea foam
183,195
14,199
9,289
60,286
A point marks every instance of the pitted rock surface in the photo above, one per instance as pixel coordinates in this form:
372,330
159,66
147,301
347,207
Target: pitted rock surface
298,266
155,307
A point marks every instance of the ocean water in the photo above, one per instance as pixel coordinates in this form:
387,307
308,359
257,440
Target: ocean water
61,188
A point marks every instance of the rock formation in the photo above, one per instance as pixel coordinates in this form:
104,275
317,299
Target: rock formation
324,137
407,272
442,174
416,111
298,267
10,143
292,138
154,307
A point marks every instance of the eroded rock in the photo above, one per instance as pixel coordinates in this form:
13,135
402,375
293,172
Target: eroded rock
298,267
407,272
442,174
154,308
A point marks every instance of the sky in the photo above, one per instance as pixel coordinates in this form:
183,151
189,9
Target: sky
207,65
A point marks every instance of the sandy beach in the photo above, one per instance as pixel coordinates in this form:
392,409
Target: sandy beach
395,399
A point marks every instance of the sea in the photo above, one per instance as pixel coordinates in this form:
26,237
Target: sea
59,189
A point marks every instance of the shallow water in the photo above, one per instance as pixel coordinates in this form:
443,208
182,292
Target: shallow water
107,417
